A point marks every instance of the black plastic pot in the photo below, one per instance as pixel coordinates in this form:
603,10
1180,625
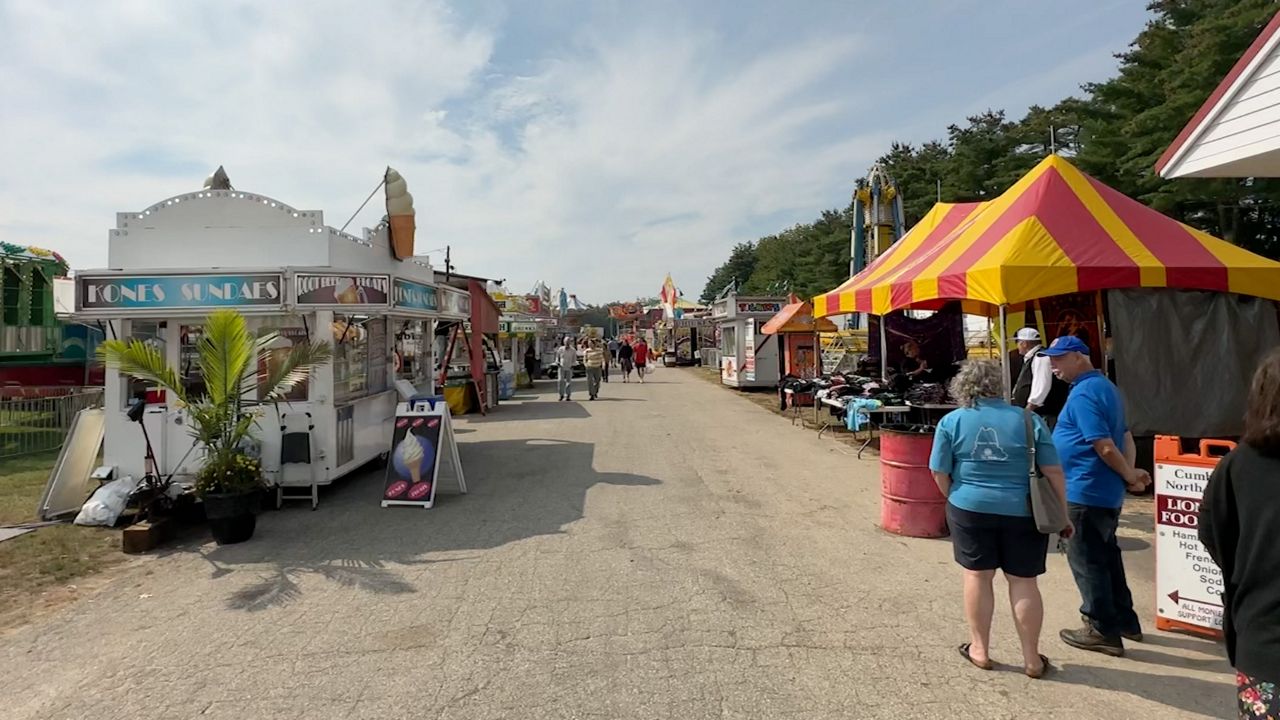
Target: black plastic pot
232,516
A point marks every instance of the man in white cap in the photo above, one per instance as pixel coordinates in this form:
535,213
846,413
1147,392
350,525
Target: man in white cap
1036,388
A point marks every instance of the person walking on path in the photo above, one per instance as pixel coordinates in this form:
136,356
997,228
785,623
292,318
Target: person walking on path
626,354
1036,389
595,362
566,358
642,358
981,461
607,360
613,351
1098,455
1237,526
530,363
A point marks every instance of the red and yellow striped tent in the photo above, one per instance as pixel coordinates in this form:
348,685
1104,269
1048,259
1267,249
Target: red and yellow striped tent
1056,231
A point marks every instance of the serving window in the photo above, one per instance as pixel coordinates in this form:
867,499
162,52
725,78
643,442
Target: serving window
729,340
289,333
152,333
359,356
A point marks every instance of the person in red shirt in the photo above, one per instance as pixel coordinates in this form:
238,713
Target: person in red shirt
642,358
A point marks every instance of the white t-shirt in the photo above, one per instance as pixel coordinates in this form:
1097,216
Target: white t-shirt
566,357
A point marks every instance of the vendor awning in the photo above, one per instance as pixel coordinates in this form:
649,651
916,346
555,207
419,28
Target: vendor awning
797,318
1056,231
935,226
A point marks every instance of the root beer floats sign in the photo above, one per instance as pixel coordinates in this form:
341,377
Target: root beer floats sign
144,292
334,289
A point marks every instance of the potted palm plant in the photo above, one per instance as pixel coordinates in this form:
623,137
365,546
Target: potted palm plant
229,355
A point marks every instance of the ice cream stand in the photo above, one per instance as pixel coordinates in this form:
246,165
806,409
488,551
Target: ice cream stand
748,359
170,264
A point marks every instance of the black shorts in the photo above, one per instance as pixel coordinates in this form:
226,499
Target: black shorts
984,541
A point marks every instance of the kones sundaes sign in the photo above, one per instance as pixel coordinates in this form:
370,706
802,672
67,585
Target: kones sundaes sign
139,292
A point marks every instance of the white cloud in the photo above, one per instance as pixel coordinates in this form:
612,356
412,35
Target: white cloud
600,170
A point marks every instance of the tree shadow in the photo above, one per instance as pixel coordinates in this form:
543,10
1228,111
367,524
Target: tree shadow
519,489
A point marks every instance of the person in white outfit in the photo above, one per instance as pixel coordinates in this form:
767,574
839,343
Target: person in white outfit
1036,388
566,358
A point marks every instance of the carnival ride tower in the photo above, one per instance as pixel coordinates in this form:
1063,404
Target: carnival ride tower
877,218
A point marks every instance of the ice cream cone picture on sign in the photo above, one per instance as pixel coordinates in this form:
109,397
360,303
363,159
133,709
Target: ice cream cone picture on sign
400,215
411,472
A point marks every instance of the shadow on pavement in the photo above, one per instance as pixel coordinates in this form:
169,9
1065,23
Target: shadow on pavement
543,409
1188,694
1132,544
518,489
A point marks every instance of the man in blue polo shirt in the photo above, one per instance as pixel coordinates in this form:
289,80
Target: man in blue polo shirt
1097,454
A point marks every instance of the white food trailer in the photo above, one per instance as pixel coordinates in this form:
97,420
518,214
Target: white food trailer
748,359
172,263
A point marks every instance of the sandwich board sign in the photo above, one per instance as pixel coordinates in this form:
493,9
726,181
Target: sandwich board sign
423,438
1189,583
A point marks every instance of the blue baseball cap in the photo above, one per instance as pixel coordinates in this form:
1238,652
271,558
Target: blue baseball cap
1064,345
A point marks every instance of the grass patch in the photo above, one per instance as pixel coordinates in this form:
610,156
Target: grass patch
51,557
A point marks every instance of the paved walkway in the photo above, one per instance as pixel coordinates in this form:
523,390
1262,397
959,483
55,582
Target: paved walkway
670,551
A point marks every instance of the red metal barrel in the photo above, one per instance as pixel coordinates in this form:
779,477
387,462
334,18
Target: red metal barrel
910,502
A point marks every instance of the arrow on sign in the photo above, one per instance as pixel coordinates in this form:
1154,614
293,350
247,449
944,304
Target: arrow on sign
1174,596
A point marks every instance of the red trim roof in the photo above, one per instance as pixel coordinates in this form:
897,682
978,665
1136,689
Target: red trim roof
1218,93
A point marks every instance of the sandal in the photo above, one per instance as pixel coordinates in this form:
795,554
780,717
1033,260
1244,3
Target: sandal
964,653
1045,667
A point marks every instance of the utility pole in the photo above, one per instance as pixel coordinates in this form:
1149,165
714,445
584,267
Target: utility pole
1053,141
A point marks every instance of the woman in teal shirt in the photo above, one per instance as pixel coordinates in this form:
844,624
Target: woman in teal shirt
980,461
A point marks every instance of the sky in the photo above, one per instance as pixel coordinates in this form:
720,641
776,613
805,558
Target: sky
595,145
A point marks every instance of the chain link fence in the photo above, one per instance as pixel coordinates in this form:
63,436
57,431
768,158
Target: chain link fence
35,419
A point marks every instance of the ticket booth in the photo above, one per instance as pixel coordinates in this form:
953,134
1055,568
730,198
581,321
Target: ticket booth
748,358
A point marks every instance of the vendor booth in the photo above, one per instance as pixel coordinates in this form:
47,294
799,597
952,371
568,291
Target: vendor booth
747,358
285,270
1063,246
681,338
516,335
469,374
1093,263
798,330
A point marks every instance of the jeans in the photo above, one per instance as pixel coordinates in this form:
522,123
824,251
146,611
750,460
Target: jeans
1094,557
593,382
564,380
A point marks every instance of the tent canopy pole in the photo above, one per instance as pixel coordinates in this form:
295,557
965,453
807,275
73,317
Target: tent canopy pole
1004,355
884,351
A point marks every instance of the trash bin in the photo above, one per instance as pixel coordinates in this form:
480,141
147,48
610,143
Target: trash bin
910,502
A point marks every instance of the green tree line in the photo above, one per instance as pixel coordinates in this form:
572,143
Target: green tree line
1114,130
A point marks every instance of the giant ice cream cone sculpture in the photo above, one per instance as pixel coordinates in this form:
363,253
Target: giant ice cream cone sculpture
400,215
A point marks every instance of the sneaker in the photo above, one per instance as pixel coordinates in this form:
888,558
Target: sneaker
1131,637
1087,638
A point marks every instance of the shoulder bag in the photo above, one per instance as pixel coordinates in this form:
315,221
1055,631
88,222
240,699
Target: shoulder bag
1046,505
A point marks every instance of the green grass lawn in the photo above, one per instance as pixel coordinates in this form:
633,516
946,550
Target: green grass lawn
51,557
